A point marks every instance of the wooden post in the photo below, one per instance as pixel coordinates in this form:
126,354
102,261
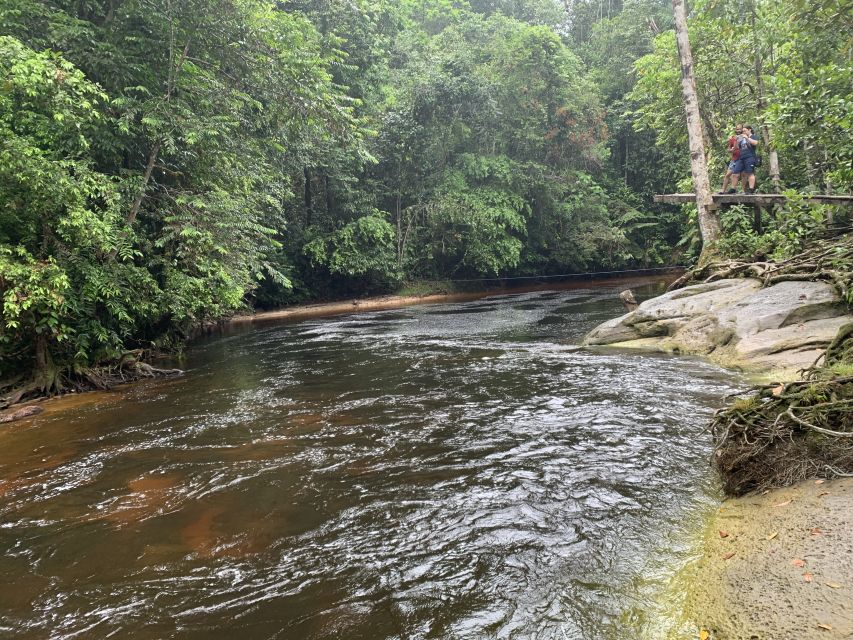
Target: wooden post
756,219
709,220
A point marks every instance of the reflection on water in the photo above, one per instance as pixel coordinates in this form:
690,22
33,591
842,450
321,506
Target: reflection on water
447,471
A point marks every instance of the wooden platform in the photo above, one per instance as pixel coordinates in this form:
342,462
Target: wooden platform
760,199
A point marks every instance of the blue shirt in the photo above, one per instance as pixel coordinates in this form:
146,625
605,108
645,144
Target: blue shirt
747,149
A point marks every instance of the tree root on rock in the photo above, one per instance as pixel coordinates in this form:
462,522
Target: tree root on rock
827,260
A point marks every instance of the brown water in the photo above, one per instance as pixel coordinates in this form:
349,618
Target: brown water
445,471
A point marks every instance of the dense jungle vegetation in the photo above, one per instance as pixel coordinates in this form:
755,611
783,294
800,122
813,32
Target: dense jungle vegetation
166,162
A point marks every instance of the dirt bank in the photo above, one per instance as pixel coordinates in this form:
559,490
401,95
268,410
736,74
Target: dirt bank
778,566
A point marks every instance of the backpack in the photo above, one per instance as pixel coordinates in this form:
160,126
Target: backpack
757,161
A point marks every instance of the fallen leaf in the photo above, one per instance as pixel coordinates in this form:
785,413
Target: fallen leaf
819,481
798,563
833,585
828,627
808,577
728,555
777,391
822,494
724,534
704,635
773,535
782,504
815,531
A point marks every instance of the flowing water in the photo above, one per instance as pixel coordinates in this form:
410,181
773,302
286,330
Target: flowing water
445,471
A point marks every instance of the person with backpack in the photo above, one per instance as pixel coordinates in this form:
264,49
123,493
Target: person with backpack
747,141
732,148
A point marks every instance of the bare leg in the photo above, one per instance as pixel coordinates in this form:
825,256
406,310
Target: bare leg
734,180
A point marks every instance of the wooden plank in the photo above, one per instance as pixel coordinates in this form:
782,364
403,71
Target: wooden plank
762,199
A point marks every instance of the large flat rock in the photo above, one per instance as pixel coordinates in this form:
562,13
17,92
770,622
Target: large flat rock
736,323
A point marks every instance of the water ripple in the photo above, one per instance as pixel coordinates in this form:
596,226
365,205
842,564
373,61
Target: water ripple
453,471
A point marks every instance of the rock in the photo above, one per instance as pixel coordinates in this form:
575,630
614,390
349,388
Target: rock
23,412
735,323
628,299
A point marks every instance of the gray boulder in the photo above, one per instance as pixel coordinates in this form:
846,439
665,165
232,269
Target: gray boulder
736,323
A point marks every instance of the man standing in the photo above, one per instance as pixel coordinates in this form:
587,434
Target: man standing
746,142
733,149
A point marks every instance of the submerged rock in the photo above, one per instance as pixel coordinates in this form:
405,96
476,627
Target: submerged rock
735,323
20,413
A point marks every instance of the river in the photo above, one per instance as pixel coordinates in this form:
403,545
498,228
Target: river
442,471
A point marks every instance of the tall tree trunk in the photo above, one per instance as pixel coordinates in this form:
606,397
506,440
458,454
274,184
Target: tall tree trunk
146,177
761,103
309,210
330,196
709,220
45,372
399,232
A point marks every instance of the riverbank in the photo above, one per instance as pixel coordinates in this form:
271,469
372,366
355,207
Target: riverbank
777,565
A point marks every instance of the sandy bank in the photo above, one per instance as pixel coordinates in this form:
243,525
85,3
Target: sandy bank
382,303
778,566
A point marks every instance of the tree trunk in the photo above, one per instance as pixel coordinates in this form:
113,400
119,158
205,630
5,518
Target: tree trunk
45,373
761,103
309,210
146,177
137,201
399,232
773,159
330,196
709,220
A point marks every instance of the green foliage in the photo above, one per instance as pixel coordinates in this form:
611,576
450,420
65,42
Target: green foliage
58,215
813,106
34,298
791,229
741,240
153,200
363,246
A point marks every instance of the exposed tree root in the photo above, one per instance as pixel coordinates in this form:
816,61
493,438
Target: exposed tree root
777,434
128,368
827,260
